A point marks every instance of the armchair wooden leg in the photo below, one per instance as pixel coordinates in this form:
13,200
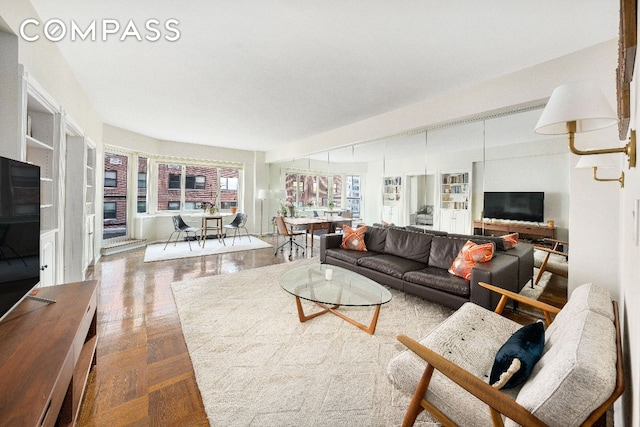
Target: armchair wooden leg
415,407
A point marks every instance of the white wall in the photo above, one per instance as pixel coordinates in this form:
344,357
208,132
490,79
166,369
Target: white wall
535,83
629,261
548,173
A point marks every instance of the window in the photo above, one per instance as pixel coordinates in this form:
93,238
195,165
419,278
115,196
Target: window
142,206
228,183
174,181
110,210
227,205
312,190
195,182
110,178
142,180
218,186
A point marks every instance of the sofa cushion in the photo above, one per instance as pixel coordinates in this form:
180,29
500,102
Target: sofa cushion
576,373
409,245
349,256
517,357
374,238
444,250
390,264
440,279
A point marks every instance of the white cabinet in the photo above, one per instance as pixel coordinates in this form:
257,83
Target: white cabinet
455,221
48,258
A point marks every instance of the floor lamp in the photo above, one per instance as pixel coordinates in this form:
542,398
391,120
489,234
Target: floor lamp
262,195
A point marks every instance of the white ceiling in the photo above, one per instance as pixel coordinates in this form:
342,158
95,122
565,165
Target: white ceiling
256,74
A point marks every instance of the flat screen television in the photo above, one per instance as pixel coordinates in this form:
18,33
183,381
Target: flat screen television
19,232
514,205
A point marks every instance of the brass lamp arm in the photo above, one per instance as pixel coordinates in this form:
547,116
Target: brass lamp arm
629,149
620,180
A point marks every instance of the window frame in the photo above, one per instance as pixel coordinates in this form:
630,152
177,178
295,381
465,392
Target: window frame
114,179
114,210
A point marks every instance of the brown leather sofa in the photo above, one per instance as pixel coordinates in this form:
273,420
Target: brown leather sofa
418,263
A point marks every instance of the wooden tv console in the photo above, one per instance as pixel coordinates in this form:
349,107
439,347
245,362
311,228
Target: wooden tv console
46,353
525,231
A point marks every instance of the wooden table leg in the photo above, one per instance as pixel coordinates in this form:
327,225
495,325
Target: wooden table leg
203,231
368,329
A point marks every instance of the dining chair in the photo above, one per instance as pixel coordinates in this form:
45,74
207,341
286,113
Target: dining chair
179,226
238,222
290,235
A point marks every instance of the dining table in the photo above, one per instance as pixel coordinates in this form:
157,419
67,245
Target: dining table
217,219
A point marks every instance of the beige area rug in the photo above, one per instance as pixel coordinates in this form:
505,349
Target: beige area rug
156,252
257,365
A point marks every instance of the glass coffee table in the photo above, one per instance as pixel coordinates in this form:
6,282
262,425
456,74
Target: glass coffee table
331,287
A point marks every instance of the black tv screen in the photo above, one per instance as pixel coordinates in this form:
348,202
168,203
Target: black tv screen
19,231
514,205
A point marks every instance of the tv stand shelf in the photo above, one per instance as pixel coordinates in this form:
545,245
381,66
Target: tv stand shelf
46,353
525,231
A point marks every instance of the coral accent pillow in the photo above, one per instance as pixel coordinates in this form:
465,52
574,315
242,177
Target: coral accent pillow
510,240
353,239
469,256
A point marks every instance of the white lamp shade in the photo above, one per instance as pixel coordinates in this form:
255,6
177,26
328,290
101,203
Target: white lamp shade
263,194
602,161
582,102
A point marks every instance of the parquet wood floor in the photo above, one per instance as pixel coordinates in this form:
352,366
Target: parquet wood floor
144,376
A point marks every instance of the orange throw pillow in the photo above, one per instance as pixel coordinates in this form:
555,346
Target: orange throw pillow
470,255
353,239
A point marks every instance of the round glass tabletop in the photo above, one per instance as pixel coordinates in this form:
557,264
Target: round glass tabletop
328,284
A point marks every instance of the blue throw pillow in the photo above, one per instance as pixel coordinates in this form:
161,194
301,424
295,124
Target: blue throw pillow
516,358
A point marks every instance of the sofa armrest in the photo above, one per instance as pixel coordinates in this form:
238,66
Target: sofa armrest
498,402
501,271
329,241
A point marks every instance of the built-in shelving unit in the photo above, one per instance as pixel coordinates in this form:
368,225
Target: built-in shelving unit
90,174
79,215
455,215
455,191
41,146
